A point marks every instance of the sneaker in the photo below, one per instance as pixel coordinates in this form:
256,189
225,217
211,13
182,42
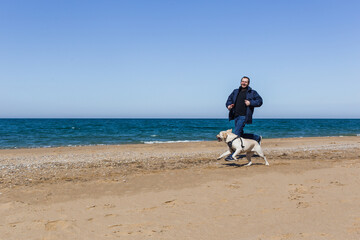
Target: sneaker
229,158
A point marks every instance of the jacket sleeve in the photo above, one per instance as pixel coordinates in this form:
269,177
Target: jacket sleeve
230,99
256,101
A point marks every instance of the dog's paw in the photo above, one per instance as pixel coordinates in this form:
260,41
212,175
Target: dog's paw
218,158
267,164
249,164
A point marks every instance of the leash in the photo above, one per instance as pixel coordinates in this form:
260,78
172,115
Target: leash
231,142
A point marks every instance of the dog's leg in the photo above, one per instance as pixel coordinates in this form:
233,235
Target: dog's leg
224,154
237,152
266,162
259,152
248,157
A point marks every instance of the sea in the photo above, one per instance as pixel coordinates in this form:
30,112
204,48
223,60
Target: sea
37,133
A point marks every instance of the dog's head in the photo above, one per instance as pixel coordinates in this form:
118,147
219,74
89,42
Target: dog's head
223,135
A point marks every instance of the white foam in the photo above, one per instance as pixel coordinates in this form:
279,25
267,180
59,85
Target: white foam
183,141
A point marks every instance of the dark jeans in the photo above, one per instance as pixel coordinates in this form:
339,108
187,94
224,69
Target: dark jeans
239,129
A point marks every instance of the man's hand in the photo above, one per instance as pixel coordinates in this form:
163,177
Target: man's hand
231,106
247,102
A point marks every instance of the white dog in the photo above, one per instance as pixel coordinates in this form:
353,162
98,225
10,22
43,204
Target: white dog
239,145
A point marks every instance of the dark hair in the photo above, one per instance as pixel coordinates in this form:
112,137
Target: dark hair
246,78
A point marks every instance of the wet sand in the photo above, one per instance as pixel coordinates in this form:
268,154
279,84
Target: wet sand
180,191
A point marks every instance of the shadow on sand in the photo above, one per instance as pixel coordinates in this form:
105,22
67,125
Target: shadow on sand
235,163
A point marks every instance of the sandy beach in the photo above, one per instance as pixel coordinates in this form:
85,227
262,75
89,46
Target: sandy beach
180,191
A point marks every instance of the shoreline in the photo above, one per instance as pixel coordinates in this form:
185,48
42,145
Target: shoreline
162,142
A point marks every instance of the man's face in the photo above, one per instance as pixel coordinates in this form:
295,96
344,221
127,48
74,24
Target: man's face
244,82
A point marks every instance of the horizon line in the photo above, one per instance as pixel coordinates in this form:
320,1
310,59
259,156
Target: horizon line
5,118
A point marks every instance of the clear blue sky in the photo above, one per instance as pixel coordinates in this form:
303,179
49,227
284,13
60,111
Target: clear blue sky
72,58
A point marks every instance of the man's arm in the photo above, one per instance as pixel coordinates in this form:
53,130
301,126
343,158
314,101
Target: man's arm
229,103
257,101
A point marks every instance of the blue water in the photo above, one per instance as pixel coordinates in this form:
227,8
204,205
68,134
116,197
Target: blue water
29,133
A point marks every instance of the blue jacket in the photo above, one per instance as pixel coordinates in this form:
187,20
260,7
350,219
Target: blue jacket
252,96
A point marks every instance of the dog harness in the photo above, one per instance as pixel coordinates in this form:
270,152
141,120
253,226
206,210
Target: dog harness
231,142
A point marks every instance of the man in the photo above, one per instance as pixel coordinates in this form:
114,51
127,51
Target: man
241,104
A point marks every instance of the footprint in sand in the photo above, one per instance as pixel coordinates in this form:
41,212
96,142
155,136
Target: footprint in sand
171,203
14,224
148,209
316,180
233,186
115,225
109,205
60,225
355,228
337,183
111,215
298,193
138,229
302,205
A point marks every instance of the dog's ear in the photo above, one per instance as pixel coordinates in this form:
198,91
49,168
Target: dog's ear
229,131
225,135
